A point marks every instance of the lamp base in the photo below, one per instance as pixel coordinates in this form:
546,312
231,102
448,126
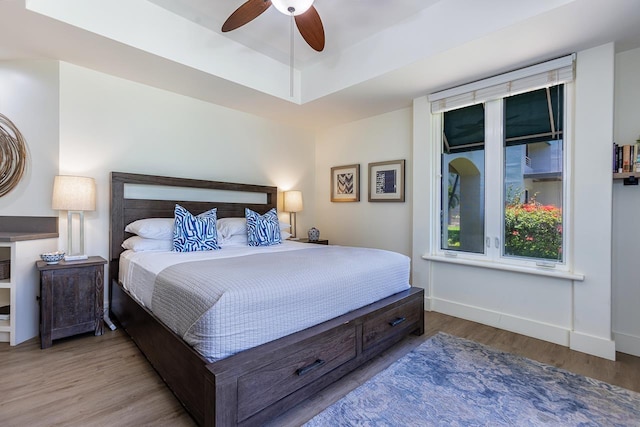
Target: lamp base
75,257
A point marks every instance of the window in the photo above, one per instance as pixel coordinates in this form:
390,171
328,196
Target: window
463,178
534,174
502,149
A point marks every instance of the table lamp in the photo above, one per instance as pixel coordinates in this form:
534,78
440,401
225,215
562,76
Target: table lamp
293,204
74,194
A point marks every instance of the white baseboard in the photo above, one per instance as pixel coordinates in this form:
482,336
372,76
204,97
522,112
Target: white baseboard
427,302
628,344
590,344
528,327
584,343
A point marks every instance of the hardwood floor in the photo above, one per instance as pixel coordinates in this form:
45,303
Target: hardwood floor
105,381
84,381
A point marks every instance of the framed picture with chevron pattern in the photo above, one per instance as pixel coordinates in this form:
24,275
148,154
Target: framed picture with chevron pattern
345,183
386,181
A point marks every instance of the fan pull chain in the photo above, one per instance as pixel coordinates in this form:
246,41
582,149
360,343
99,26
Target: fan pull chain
291,9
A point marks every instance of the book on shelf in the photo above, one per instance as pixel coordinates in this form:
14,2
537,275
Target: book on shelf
5,311
626,158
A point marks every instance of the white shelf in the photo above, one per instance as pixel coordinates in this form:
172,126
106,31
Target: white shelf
21,290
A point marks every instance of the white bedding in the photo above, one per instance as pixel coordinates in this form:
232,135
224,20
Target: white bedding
283,296
138,270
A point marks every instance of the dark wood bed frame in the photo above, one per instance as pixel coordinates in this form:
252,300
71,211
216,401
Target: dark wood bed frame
256,385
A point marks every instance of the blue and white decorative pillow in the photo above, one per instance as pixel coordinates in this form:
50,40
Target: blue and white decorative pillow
263,230
195,233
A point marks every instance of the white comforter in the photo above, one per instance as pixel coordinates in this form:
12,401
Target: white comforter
262,293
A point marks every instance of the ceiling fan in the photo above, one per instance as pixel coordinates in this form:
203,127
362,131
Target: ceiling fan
306,17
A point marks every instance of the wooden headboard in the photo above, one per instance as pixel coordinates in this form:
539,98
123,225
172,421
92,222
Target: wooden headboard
126,210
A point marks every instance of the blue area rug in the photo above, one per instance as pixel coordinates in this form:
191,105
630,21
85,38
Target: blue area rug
450,381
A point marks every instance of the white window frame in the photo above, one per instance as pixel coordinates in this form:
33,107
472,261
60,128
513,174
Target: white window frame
494,171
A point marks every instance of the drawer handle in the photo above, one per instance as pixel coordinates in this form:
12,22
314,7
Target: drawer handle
397,321
306,369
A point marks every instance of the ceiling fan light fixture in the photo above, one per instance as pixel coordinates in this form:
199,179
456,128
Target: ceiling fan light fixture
299,6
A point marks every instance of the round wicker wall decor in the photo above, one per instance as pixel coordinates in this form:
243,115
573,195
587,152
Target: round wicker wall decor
13,155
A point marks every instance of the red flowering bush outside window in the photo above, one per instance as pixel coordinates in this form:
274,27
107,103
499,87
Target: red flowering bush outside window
533,230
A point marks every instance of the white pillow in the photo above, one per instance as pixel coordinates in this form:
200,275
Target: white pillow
243,240
236,240
152,228
140,244
228,227
284,225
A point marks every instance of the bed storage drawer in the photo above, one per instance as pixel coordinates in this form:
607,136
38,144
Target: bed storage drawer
381,326
306,361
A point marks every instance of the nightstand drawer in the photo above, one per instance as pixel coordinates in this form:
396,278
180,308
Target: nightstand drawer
305,363
383,325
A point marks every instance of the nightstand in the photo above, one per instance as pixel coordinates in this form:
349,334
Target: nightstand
317,242
71,298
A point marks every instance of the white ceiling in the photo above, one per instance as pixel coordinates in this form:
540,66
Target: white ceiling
379,54
346,22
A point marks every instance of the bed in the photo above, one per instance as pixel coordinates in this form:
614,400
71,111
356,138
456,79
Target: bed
256,384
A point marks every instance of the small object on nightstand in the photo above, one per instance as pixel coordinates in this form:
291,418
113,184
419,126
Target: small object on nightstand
314,234
52,257
71,298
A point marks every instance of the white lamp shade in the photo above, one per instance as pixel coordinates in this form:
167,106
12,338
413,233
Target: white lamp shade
292,201
74,193
299,6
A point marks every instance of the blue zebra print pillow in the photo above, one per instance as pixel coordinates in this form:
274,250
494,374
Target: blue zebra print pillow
195,233
262,230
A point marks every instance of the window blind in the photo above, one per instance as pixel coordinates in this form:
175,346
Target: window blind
550,73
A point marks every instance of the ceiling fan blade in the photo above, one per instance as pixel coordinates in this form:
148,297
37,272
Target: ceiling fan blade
311,29
249,11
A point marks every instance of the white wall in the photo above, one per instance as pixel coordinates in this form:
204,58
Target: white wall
111,124
89,123
29,98
626,205
576,314
81,122
385,225
592,200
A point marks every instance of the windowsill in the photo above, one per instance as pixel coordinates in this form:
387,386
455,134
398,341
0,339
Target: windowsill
540,271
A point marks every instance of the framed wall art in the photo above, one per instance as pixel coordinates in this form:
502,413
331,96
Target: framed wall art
13,155
345,183
386,181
